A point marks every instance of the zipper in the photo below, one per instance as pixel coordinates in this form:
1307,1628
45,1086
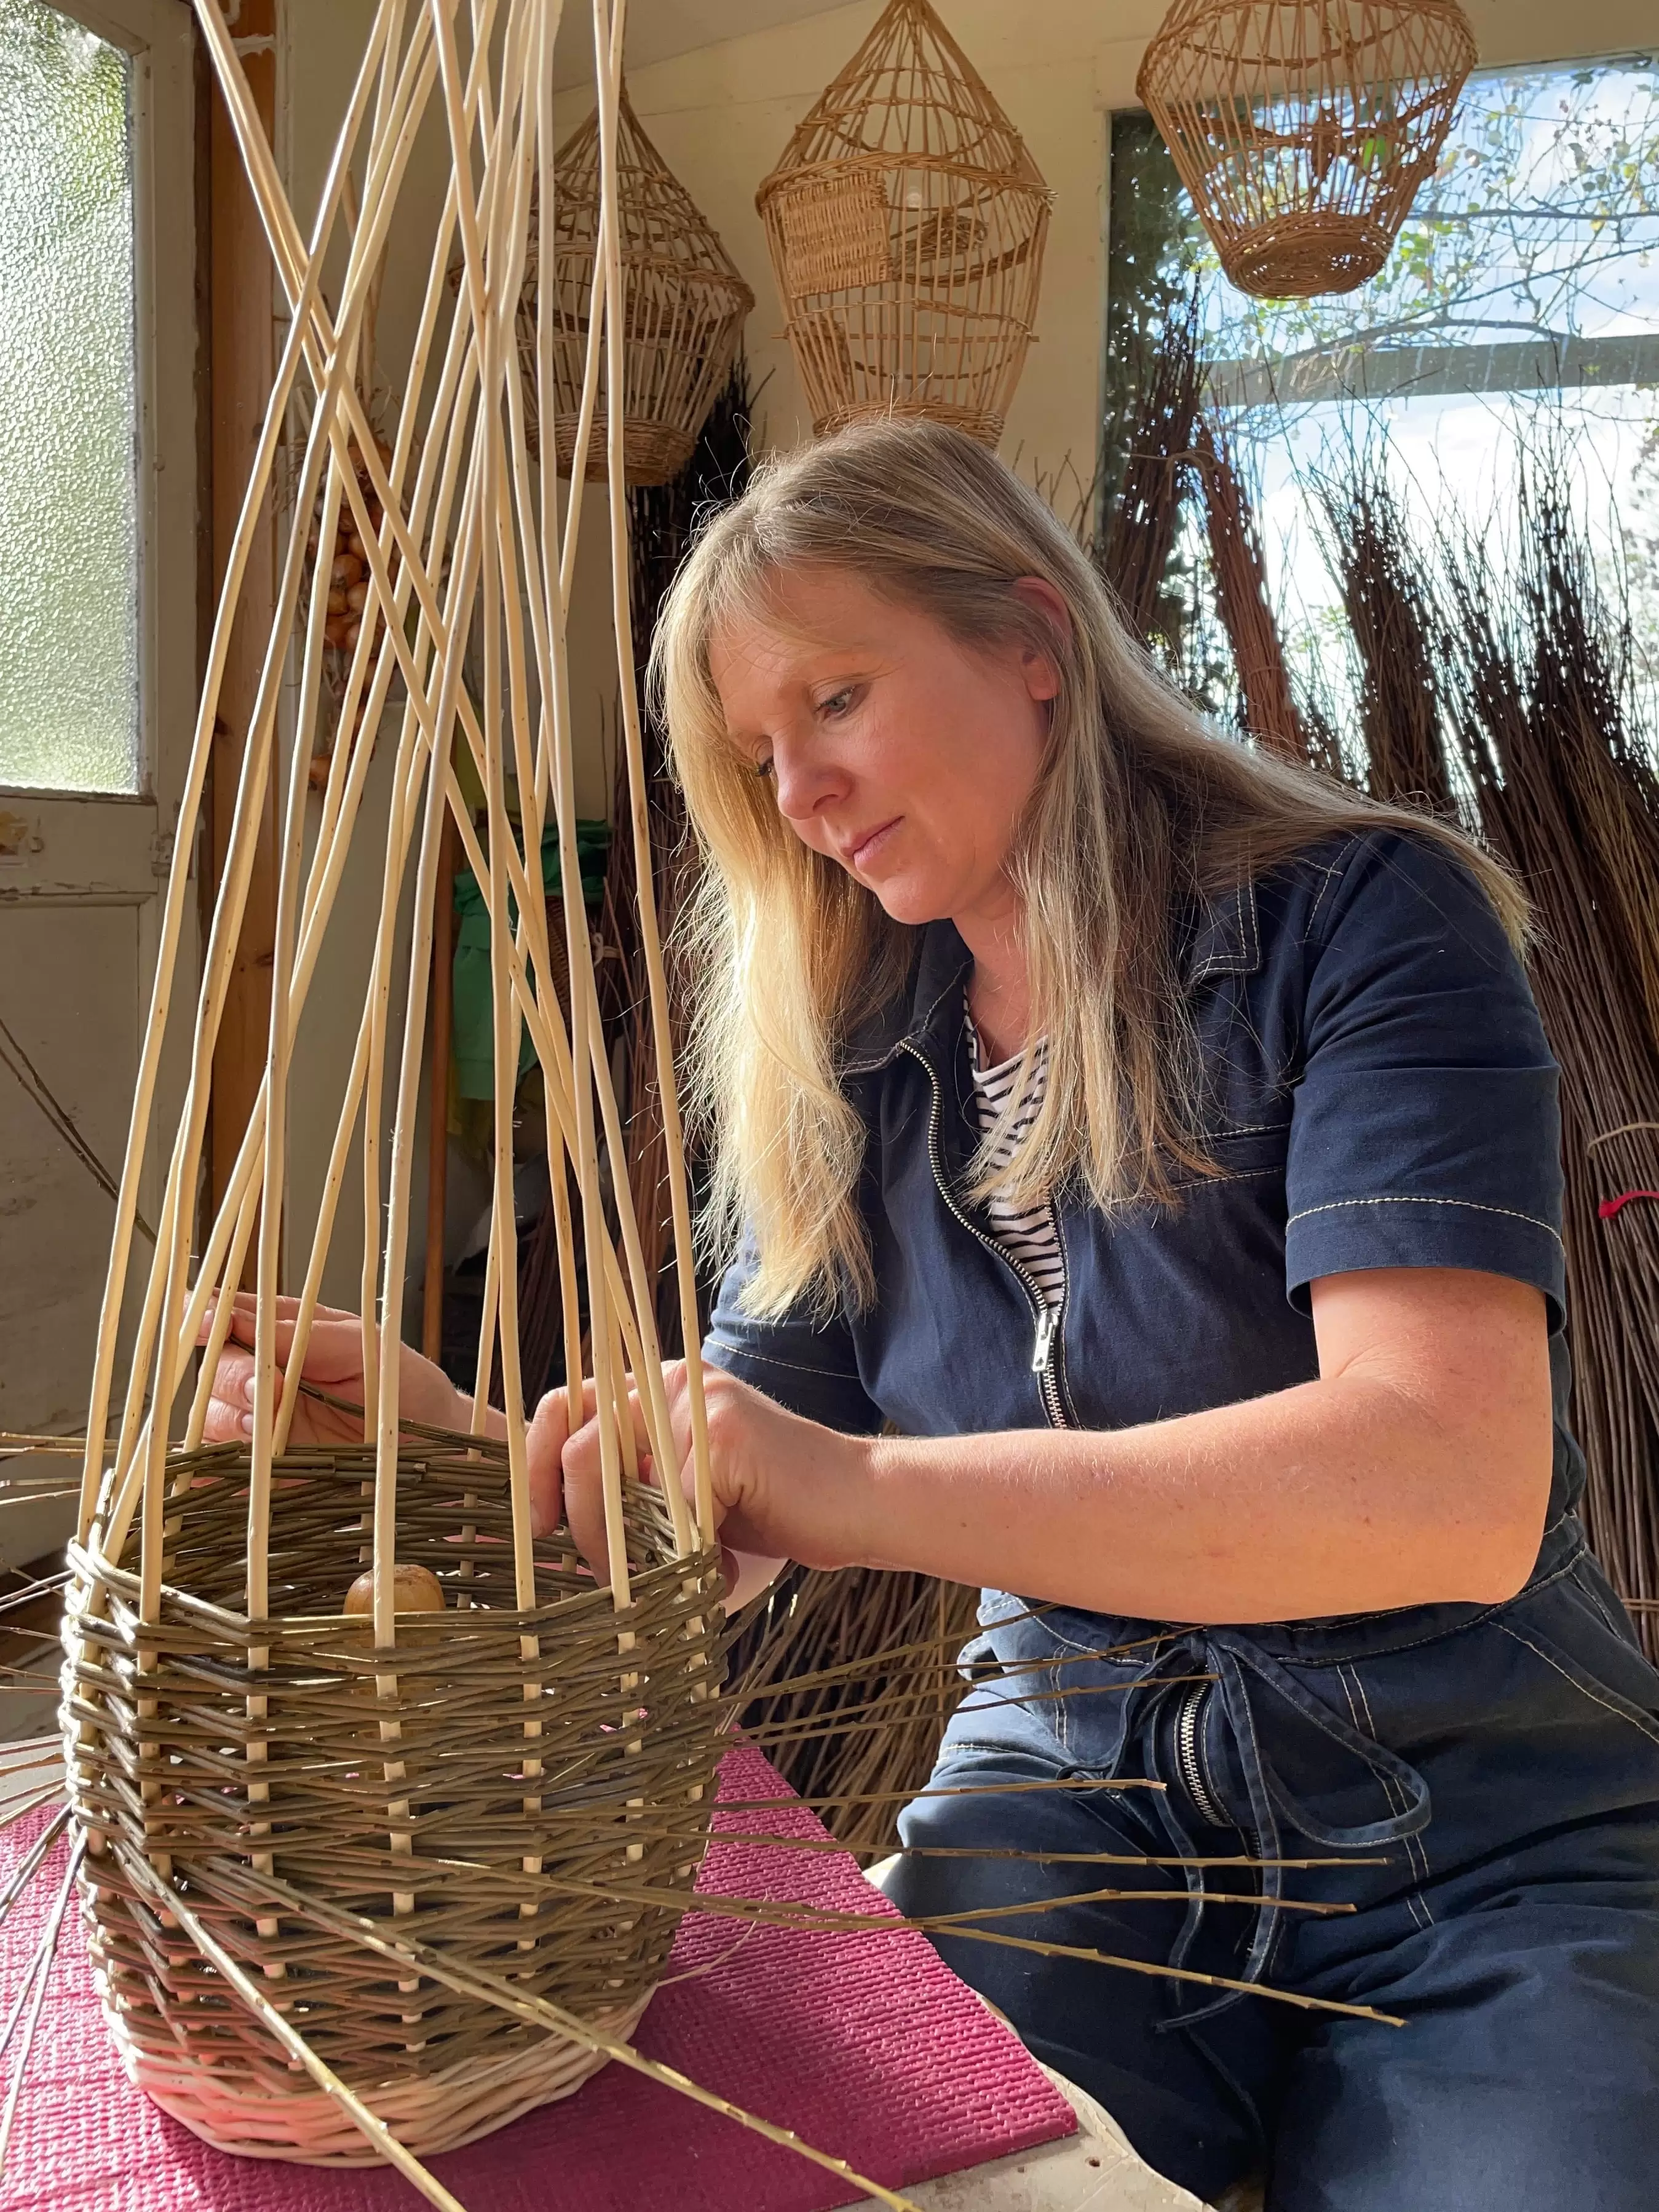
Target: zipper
1189,1758
1045,1319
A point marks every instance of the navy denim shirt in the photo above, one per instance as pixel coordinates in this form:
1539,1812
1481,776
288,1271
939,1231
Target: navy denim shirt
1378,1093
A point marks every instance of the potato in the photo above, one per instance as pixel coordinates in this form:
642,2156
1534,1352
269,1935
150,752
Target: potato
414,1589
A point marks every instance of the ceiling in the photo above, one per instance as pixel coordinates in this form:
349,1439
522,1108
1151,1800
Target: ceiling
660,28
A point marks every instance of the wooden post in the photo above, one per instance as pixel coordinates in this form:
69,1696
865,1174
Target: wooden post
437,1173
243,350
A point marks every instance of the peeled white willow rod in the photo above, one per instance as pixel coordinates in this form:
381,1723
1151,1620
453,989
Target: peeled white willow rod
645,1352
273,1195
339,815
542,597
461,196
278,1053
575,927
483,323
127,1498
247,1214
38,1973
167,1265
173,905
662,1033
640,1327
582,1050
609,72
169,1262
500,593
414,1037
282,233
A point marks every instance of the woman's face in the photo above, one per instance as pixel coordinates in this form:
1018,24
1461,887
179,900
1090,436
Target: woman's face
901,754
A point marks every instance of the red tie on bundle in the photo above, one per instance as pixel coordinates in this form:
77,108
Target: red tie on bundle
1609,1206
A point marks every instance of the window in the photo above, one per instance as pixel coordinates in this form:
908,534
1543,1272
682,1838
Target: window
69,694
1526,276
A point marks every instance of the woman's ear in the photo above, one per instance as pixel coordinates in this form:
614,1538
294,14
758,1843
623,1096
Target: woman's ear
1041,668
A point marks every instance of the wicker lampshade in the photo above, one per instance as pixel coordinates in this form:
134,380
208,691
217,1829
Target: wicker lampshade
684,304
1304,129
906,222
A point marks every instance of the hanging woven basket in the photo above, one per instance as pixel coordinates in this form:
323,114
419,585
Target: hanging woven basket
685,305
1304,129
906,222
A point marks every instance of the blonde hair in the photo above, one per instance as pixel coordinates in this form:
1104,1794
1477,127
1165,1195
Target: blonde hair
1140,808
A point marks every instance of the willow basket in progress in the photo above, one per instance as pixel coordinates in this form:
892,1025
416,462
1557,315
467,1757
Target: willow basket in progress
413,1806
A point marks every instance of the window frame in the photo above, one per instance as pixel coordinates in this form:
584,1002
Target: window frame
114,848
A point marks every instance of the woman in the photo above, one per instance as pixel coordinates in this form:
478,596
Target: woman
1163,1144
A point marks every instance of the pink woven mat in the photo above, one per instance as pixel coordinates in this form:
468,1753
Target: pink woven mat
864,2045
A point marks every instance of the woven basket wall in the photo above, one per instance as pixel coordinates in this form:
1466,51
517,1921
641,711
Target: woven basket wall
906,222
1304,129
625,1757
685,305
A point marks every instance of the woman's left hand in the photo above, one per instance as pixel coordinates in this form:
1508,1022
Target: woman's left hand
785,1488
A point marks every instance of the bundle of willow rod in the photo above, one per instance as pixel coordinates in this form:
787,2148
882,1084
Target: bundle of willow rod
255,1773
1270,712
848,1682
1536,672
1388,602
1133,553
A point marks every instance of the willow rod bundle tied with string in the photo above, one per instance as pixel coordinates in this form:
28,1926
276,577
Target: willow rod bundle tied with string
258,1772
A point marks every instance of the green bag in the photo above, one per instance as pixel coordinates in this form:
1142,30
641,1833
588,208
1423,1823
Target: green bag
473,1040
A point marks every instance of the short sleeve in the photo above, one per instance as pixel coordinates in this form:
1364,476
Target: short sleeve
1425,1129
807,1366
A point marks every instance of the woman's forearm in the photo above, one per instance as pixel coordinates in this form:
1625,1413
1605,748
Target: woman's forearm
1415,1474
1323,1499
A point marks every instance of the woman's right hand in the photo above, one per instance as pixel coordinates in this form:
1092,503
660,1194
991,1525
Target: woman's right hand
333,1362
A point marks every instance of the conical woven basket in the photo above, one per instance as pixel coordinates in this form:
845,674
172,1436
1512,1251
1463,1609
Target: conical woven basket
686,303
1304,129
363,1885
906,222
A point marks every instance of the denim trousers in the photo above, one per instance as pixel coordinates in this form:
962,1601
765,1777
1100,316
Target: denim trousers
1454,1815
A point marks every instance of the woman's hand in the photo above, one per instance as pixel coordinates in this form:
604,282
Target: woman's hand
334,1363
784,1487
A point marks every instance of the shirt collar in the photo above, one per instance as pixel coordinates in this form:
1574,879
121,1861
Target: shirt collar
1225,939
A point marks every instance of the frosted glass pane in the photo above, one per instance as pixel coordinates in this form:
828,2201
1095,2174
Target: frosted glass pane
69,628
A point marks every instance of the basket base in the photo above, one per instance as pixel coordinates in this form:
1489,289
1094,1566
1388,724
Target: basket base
978,422
427,2113
1302,257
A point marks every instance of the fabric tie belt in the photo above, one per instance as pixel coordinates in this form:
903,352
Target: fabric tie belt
1244,1675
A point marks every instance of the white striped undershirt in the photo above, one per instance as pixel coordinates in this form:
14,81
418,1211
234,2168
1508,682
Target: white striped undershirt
1027,1233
